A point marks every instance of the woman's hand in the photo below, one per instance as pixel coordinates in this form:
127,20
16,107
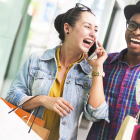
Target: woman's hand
57,104
101,57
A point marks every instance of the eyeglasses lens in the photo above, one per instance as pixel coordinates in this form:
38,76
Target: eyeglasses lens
80,6
131,26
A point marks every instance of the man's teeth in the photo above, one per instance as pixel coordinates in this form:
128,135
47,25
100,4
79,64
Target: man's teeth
132,43
136,40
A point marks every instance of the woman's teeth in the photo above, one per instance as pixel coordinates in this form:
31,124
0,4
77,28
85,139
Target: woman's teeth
87,41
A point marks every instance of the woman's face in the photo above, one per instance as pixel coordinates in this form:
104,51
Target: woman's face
83,35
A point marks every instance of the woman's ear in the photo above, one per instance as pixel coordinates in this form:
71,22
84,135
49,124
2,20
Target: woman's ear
66,28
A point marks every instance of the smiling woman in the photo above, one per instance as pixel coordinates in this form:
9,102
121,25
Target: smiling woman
83,34
61,77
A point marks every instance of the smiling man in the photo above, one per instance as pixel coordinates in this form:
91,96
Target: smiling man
122,72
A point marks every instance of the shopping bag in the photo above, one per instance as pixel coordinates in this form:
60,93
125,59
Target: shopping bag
42,132
13,127
23,114
136,133
126,129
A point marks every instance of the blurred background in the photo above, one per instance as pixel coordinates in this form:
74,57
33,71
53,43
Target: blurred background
27,26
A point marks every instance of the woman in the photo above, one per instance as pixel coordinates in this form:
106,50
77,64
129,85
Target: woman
61,77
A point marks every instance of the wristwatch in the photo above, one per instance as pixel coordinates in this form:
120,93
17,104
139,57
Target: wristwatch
99,73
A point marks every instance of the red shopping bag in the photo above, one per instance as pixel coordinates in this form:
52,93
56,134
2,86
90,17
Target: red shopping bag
136,133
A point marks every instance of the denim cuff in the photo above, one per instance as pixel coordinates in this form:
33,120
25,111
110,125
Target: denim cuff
17,97
92,114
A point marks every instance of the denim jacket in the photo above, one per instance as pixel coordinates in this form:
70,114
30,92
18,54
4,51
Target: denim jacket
37,76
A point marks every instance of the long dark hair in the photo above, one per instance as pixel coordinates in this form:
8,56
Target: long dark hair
62,19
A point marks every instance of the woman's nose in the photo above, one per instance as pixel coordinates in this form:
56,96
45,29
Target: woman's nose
93,34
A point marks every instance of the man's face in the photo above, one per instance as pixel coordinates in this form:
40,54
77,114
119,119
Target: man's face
133,38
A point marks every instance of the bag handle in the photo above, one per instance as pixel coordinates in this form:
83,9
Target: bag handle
23,104
138,118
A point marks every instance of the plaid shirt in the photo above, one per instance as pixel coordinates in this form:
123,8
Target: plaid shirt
119,88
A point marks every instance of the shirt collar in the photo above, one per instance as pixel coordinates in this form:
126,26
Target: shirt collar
50,54
58,60
119,55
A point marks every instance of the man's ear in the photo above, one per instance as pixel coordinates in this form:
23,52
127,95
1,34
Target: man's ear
66,28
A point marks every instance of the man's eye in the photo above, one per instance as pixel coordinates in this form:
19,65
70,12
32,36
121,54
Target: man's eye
132,26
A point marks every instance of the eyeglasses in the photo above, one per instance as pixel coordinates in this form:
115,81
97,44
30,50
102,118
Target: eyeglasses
132,25
81,7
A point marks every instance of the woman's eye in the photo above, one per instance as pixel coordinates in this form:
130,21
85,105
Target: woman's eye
87,26
96,30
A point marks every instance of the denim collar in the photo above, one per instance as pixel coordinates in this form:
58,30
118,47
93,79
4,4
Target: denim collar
50,54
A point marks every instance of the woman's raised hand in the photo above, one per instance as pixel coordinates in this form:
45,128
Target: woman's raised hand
101,57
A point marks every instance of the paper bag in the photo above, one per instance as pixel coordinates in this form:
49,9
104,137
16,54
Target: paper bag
126,130
42,132
21,113
13,127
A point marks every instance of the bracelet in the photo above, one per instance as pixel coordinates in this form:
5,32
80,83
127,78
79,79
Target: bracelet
98,74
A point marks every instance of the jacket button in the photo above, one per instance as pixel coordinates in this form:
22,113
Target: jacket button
76,67
86,84
69,82
36,74
64,123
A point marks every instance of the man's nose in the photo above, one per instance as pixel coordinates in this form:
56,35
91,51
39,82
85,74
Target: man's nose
137,31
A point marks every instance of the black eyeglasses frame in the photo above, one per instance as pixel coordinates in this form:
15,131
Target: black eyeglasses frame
137,25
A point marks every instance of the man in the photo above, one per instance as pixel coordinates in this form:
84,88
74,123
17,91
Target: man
122,72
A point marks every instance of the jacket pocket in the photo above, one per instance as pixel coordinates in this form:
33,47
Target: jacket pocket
38,80
82,88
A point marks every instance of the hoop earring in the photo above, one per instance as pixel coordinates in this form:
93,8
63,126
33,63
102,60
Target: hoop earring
67,32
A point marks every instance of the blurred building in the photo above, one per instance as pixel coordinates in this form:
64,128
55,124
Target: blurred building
27,26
